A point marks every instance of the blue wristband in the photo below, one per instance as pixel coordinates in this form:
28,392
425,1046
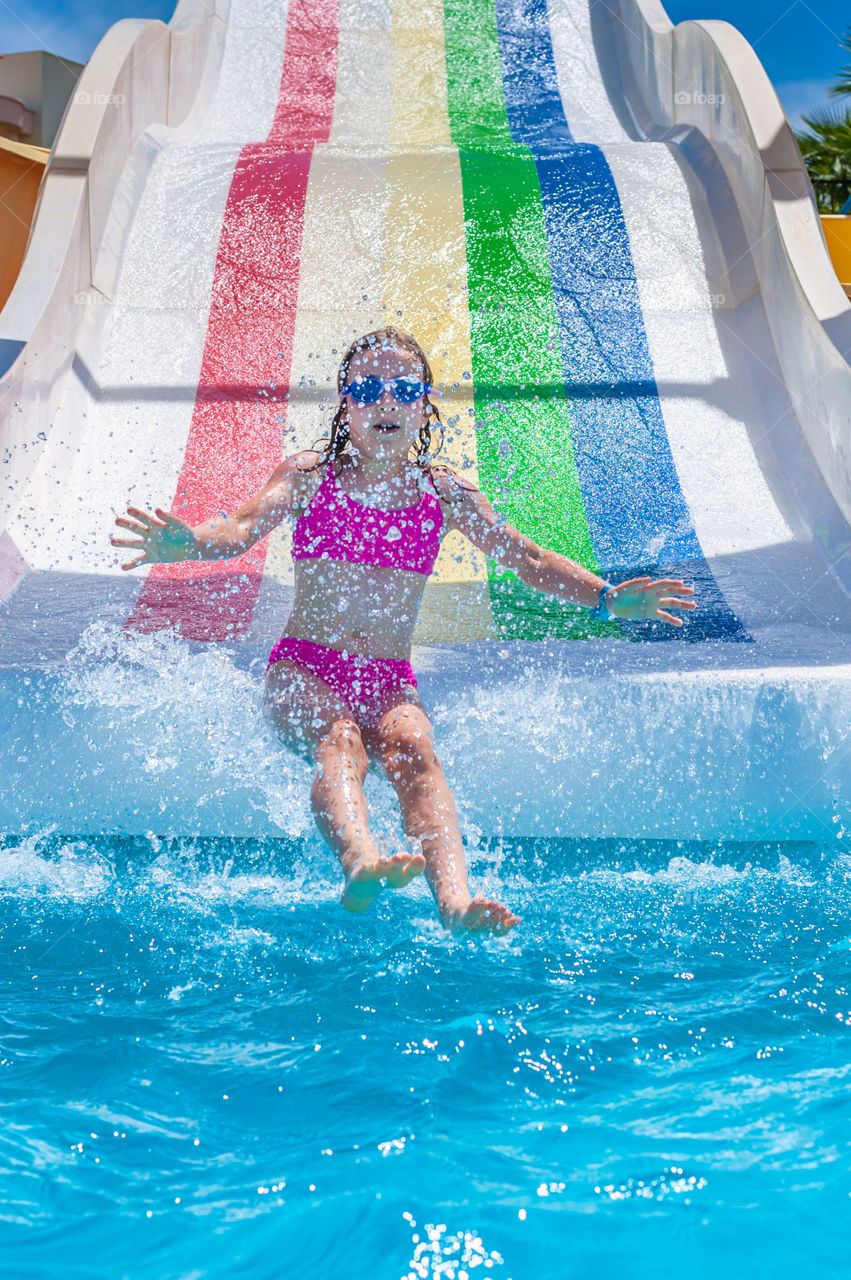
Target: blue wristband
602,611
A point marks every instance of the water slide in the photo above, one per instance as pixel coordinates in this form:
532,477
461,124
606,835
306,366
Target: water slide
600,227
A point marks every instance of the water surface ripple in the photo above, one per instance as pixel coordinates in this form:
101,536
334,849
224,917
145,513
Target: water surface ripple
208,1069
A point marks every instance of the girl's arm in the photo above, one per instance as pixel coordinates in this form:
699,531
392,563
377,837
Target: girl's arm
164,538
547,571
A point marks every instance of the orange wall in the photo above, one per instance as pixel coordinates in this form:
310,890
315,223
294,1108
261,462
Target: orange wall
837,233
21,171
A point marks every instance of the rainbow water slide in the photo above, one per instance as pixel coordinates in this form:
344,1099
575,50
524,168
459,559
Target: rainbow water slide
600,228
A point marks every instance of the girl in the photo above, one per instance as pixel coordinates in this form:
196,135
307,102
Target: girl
339,684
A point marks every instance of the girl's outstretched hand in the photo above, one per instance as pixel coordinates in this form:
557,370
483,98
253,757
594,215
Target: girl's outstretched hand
643,598
161,538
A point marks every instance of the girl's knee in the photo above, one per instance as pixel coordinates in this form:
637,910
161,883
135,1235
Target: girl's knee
342,742
407,750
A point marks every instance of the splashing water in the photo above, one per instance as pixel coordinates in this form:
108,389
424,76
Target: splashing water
205,1058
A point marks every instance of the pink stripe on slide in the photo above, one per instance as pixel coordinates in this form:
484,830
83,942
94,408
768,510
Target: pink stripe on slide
235,438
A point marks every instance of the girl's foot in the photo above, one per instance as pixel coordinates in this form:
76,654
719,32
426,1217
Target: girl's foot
482,915
364,881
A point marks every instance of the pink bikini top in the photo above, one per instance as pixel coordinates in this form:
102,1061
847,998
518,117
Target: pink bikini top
337,527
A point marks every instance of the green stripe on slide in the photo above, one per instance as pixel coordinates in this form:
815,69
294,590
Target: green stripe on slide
525,453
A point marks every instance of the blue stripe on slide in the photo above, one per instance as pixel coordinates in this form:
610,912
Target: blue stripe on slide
638,518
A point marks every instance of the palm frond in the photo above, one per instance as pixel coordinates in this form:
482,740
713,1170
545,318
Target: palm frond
826,151
843,85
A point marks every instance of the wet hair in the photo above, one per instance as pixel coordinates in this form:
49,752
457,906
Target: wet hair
338,441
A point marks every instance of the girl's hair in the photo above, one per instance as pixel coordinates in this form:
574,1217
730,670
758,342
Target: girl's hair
338,440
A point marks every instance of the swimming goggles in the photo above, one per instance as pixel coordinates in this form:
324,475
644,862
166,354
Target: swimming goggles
370,390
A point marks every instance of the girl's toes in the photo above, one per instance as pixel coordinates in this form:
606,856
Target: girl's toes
507,921
483,916
476,915
402,868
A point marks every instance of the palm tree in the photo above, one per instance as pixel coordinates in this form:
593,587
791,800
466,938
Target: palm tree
844,85
826,149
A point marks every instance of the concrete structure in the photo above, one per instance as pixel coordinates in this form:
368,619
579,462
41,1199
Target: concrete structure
34,92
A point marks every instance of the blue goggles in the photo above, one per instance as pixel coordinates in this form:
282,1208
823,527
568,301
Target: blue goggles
370,390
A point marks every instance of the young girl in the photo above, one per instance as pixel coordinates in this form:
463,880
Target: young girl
339,684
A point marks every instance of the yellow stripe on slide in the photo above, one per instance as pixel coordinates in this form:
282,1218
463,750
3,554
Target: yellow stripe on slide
384,244
426,290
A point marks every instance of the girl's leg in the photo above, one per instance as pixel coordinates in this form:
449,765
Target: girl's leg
311,719
404,743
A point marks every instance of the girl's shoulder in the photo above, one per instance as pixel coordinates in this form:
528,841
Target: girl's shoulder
303,470
298,476
296,465
306,460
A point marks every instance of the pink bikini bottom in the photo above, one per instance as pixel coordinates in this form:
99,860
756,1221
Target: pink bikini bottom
368,686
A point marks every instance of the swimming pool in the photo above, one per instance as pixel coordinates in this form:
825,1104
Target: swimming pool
208,1069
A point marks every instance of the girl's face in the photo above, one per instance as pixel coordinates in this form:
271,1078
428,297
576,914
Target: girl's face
386,430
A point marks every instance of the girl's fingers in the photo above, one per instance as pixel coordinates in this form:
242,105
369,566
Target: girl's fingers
168,518
134,525
127,542
668,617
144,517
134,564
658,584
677,604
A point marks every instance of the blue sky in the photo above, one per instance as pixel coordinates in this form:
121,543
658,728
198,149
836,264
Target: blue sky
797,41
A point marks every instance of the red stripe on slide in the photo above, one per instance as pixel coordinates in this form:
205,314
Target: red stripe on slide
235,438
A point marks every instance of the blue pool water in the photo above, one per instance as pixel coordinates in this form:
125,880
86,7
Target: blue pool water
208,1069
